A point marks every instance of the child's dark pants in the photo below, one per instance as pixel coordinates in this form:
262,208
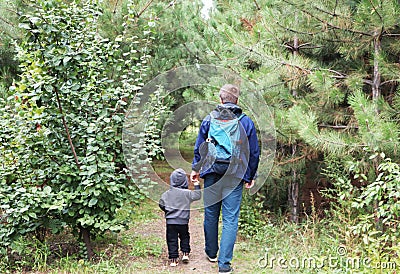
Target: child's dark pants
173,233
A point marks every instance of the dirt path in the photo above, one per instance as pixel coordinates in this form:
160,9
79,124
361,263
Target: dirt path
245,253
198,262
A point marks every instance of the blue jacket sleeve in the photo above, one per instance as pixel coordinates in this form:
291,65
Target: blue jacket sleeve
201,138
254,153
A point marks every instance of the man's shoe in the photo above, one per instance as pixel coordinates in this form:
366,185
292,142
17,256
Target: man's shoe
185,258
225,270
213,260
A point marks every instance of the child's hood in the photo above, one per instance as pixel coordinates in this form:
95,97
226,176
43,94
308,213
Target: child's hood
178,179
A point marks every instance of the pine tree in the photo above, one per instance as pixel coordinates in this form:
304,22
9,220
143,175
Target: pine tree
329,70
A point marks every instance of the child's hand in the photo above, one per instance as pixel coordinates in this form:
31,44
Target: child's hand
250,184
194,176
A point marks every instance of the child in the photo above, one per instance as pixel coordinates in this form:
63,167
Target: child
175,202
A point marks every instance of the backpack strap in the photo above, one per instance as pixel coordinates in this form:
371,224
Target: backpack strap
241,116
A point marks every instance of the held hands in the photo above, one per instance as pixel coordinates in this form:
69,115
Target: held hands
194,177
249,185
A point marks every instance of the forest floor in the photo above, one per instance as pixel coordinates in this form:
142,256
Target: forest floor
246,254
143,249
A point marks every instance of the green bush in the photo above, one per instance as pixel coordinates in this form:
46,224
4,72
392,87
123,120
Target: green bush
367,200
61,136
253,216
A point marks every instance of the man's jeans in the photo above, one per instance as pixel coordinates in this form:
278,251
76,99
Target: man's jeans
226,192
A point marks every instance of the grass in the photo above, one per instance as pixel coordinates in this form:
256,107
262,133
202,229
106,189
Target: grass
274,246
278,247
116,253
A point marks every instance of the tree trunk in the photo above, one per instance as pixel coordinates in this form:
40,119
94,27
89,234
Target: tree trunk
86,239
294,192
294,184
67,130
294,198
295,53
376,83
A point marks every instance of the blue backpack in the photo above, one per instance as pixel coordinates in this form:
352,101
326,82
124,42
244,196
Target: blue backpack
224,143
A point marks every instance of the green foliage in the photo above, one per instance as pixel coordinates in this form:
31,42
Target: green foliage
369,200
9,32
310,59
379,201
252,217
155,113
9,12
8,67
61,137
376,128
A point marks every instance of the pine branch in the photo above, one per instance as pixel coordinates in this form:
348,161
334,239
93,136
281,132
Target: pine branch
333,14
340,75
171,4
258,7
115,6
390,81
326,22
209,44
7,22
306,126
272,59
337,126
292,160
385,34
376,11
296,31
311,34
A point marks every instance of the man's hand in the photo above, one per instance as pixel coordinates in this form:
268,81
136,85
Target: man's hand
194,176
250,184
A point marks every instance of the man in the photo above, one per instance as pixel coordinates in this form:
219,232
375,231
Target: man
223,186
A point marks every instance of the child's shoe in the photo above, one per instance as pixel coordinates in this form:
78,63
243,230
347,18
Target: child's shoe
174,262
185,258
213,260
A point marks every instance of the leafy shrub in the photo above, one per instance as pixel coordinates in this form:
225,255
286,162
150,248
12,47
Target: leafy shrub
380,204
370,202
61,139
252,215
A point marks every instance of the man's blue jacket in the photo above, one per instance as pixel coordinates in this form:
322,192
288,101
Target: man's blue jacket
249,159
